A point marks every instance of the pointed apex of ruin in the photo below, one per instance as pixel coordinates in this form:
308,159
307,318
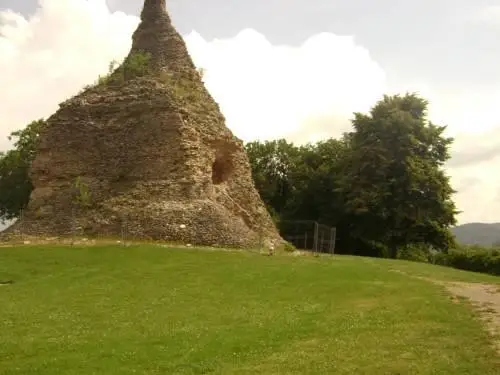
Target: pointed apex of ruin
154,9
156,36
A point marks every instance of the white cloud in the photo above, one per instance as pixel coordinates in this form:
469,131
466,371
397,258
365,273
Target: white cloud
270,91
474,174
266,91
488,14
49,57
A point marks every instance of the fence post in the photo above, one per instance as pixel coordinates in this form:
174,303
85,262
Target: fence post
124,230
333,238
316,230
21,223
73,225
261,235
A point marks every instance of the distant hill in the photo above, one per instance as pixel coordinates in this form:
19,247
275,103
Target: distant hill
478,233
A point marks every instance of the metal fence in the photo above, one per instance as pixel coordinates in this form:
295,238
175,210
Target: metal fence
309,235
304,235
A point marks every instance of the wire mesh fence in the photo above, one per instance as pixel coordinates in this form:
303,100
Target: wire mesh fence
309,235
304,235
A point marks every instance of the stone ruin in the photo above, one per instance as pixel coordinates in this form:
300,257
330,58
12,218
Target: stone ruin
153,153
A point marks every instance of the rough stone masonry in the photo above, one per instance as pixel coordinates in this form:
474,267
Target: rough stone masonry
152,151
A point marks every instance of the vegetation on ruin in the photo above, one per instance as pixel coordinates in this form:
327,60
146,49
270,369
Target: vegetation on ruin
150,310
135,65
184,89
83,196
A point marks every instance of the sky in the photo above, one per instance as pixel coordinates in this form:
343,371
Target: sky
284,69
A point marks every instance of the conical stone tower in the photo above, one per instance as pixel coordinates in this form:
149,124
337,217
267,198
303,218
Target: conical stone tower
147,151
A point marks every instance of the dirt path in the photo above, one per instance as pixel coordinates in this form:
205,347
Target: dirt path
485,299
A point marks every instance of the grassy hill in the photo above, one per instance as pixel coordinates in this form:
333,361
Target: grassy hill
151,310
478,233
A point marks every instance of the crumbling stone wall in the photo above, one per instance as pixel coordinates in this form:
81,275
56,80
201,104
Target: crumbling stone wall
154,152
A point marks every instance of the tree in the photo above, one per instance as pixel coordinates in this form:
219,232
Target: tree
272,164
301,183
315,179
15,183
396,192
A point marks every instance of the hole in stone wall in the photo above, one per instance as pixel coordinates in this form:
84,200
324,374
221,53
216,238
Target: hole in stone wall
222,168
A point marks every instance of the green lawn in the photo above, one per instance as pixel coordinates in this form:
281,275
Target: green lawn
151,310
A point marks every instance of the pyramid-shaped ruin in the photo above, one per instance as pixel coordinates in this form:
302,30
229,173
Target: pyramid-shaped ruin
150,147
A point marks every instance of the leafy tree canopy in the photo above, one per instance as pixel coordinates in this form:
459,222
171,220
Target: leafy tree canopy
393,182
15,183
382,185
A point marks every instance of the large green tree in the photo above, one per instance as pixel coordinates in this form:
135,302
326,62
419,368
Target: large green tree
395,190
15,183
273,164
315,181
300,183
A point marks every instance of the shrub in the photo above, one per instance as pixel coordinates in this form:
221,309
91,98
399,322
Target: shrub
136,65
472,258
183,89
82,197
289,248
416,253
468,258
